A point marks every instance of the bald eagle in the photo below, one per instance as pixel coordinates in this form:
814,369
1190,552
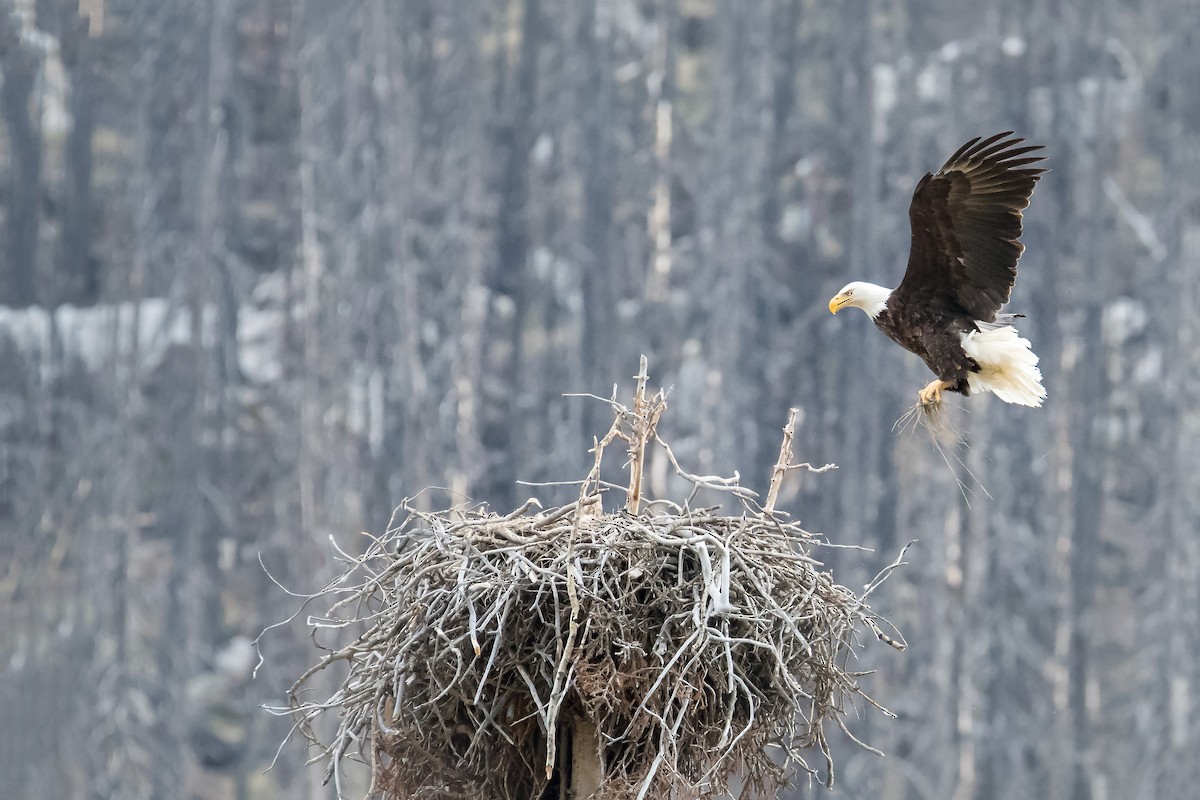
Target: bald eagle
962,263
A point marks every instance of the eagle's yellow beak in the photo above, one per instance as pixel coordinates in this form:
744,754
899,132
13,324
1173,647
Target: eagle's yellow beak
837,303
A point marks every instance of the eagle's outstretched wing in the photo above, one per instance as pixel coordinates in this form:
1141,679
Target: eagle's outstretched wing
966,223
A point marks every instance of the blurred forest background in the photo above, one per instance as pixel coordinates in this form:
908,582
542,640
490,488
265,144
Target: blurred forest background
270,266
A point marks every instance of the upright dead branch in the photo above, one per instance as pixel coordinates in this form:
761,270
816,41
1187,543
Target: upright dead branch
785,459
644,423
784,464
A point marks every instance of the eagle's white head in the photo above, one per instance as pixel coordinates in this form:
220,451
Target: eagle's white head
860,294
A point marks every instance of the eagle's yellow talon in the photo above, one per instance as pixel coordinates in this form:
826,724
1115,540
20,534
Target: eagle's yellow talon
931,395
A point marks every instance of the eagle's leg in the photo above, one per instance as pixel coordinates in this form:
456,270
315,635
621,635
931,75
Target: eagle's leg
931,395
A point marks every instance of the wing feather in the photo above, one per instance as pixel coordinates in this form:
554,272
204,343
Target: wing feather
966,226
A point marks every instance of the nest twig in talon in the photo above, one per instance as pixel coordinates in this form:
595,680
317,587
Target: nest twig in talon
679,647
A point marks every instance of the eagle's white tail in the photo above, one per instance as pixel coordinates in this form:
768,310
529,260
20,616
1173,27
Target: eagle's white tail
1008,367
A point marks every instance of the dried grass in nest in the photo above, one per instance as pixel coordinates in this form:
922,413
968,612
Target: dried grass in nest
700,645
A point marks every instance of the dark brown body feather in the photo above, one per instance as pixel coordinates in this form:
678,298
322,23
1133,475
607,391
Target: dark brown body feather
966,226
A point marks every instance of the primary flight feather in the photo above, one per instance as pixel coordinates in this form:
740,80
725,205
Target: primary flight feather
962,263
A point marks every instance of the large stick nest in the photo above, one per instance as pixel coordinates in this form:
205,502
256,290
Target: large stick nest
700,646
